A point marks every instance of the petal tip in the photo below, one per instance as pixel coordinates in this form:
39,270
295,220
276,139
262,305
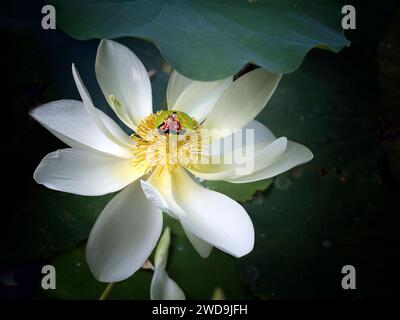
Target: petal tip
310,155
153,195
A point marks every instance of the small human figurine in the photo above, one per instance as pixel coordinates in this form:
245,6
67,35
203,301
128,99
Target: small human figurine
164,127
171,125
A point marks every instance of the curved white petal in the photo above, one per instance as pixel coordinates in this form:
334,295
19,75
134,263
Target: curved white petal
212,216
244,162
85,172
120,73
294,155
198,99
164,288
221,150
177,83
123,236
202,247
238,139
242,101
154,196
69,121
109,129
261,131
158,189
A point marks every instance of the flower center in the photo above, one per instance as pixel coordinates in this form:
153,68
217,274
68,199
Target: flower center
168,138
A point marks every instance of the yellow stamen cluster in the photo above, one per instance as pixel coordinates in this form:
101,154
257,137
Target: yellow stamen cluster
154,148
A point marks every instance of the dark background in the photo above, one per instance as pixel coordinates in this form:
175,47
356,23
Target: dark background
340,209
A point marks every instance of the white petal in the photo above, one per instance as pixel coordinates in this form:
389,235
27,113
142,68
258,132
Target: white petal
223,149
164,288
108,129
261,132
123,236
263,155
154,196
177,83
213,217
198,99
120,73
242,101
85,172
69,121
202,247
158,189
226,145
294,155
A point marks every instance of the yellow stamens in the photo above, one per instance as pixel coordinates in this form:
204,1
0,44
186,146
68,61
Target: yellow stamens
155,146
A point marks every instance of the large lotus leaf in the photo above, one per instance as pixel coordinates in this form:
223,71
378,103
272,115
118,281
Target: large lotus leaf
208,40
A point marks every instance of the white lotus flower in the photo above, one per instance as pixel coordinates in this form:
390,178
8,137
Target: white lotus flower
102,158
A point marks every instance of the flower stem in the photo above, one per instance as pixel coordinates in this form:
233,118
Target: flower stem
107,291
